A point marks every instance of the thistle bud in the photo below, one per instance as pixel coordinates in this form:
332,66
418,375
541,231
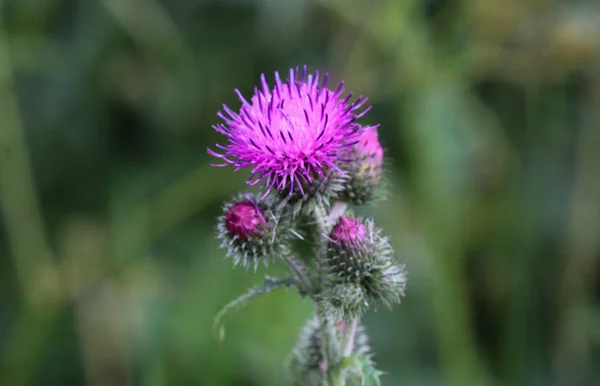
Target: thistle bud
363,169
343,301
245,220
360,261
250,233
307,361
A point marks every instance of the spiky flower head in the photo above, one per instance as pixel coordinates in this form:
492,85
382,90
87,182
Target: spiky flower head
307,362
365,169
359,259
250,232
292,135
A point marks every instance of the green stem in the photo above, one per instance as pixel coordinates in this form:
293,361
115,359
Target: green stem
338,379
338,373
334,375
326,339
303,277
349,336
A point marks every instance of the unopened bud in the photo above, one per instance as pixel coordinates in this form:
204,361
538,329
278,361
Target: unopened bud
249,232
307,362
364,169
360,256
245,220
343,301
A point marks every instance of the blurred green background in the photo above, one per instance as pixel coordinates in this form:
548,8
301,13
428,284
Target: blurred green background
109,270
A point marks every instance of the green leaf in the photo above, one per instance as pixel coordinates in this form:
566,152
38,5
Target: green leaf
358,368
370,375
245,299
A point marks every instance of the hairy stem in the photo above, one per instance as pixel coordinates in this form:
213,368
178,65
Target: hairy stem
300,273
326,349
348,339
334,375
349,336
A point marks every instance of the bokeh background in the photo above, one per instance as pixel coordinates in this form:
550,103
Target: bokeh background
109,270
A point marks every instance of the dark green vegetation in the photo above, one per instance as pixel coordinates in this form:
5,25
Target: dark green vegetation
109,270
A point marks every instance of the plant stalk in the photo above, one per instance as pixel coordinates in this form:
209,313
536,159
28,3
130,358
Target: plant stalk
349,337
334,374
300,273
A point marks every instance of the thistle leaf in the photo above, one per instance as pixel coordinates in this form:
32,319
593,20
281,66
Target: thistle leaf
245,299
370,375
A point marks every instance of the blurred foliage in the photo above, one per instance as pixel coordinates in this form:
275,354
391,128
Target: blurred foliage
490,113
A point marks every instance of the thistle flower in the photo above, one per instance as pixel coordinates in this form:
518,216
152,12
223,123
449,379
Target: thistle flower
365,169
250,232
359,260
292,135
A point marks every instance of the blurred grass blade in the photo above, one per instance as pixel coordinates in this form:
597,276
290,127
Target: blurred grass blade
245,299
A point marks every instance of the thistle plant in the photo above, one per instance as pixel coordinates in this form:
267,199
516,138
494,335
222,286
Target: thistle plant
310,159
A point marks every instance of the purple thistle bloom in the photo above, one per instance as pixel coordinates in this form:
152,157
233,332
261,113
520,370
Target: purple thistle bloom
369,150
348,230
291,134
244,219
365,171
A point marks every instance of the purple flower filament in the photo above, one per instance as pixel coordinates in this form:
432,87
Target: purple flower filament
292,134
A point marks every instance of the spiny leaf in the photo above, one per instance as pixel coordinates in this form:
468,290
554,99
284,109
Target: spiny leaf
244,299
370,375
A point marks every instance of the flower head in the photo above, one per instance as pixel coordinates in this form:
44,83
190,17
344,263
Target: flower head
359,260
250,232
291,135
365,169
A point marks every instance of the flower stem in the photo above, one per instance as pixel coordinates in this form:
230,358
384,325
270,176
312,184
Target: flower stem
326,349
334,374
349,336
300,273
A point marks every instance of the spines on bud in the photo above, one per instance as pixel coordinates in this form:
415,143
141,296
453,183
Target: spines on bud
307,361
250,232
306,198
364,169
343,301
359,269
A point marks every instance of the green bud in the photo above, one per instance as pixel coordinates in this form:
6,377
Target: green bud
343,301
360,257
307,362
